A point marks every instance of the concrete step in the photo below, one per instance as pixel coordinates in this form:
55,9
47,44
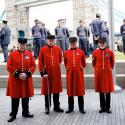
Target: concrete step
120,66
89,81
89,76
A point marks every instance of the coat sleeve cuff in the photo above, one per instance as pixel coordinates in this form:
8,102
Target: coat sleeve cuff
16,74
29,73
42,73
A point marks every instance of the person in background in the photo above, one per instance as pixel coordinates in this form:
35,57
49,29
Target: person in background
82,33
21,65
74,60
5,39
105,33
13,49
60,35
67,34
97,26
103,63
36,33
47,32
44,33
122,31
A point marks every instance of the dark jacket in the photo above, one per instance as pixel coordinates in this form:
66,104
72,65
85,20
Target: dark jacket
5,35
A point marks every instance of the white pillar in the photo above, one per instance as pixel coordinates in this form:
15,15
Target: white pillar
111,39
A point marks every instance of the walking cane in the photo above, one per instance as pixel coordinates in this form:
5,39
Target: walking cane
46,77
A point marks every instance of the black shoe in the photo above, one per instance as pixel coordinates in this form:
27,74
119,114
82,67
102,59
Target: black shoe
58,110
28,115
83,111
46,111
11,119
101,110
69,111
108,111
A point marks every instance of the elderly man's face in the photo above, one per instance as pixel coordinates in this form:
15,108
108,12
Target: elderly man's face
73,45
51,42
21,47
102,45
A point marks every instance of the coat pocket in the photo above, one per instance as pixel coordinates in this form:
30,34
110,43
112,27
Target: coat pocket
81,68
109,69
97,69
67,68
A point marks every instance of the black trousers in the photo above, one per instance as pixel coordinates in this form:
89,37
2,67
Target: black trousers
15,105
71,103
55,100
105,100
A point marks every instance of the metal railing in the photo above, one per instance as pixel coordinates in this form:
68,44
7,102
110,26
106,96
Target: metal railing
32,3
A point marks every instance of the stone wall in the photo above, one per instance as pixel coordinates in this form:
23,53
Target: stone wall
83,10
18,19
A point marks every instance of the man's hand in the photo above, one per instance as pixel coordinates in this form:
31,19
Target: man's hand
22,76
45,76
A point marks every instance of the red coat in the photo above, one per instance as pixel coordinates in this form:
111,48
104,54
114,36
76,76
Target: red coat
23,62
49,60
103,62
75,62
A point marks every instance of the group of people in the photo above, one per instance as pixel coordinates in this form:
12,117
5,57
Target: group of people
21,65
40,33
48,50
62,33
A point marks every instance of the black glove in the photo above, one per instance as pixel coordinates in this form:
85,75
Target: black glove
29,73
16,74
43,73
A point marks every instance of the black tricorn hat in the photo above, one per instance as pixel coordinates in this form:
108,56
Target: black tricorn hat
73,39
59,20
98,15
4,21
51,37
22,40
36,20
102,40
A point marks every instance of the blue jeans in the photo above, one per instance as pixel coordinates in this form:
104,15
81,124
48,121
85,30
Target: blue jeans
37,45
123,40
95,43
5,51
83,45
61,44
43,42
66,43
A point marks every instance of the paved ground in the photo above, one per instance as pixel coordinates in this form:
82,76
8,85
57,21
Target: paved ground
92,117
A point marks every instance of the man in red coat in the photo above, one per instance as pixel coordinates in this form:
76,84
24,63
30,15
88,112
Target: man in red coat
20,66
103,63
50,58
75,61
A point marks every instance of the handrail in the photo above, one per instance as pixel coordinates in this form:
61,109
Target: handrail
2,15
